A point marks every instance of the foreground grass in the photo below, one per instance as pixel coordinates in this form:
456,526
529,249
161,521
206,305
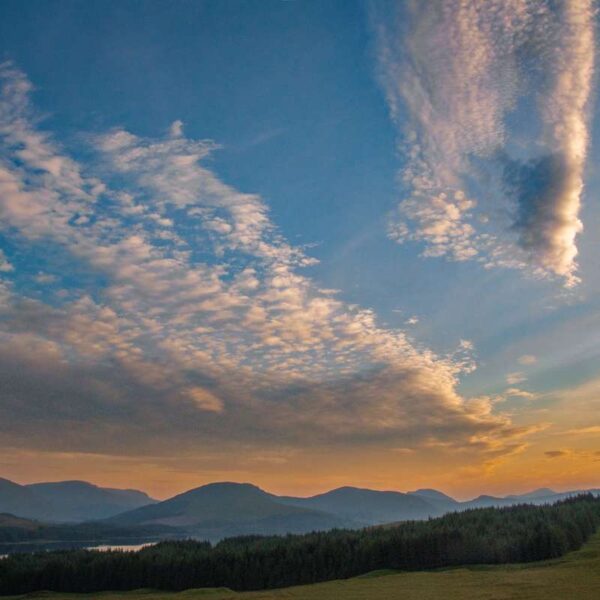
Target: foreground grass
575,576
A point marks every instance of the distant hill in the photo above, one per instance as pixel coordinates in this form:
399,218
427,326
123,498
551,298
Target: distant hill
222,509
8,521
375,507
537,497
442,502
369,507
539,493
485,501
16,530
83,501
19,500
67,501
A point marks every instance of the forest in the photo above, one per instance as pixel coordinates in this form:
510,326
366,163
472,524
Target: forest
520,533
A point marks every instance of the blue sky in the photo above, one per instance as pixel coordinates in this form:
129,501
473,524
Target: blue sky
306,228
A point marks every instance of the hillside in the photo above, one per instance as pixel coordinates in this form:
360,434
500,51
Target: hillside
220,509
83,501
369,507
536,497
67,501
8,521
17,531
440,501
19,500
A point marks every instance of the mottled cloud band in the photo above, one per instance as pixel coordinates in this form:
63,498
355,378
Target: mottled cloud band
492,101
167,311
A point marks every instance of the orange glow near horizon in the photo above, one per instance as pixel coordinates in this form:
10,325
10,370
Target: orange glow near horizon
309,474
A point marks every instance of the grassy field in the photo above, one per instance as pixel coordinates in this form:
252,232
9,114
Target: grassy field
573,577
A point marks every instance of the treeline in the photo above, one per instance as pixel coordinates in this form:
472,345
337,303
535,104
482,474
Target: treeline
514,534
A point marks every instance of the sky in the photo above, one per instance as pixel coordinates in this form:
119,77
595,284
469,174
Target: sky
302,244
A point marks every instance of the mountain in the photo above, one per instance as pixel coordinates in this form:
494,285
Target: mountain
83,501
19,500
535,494
369,507
433,495
485,501
67,501
442,502
219,510
539,496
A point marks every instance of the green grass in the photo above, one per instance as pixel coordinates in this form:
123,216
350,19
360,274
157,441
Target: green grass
576,576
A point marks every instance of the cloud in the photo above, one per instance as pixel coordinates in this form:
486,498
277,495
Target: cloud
570,452
45,278
591,430
514,378
519,393
527,359
5,266
442,225
204,399
557,453
194,322
455,76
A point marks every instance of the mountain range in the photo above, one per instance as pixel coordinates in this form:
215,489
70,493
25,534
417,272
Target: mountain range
219,510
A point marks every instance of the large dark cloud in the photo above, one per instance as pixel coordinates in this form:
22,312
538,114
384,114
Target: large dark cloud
546,220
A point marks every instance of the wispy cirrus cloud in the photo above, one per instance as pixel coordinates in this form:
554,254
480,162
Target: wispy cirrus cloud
491,98
194,320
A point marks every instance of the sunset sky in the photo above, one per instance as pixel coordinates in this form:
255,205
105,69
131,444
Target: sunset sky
302,244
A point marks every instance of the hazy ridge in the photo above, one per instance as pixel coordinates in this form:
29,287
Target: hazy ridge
225,509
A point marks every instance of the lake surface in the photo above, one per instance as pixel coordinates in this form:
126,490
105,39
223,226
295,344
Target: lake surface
121,547
104,546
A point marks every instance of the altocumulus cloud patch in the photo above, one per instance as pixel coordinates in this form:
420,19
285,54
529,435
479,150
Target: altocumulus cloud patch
491,98
192,319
